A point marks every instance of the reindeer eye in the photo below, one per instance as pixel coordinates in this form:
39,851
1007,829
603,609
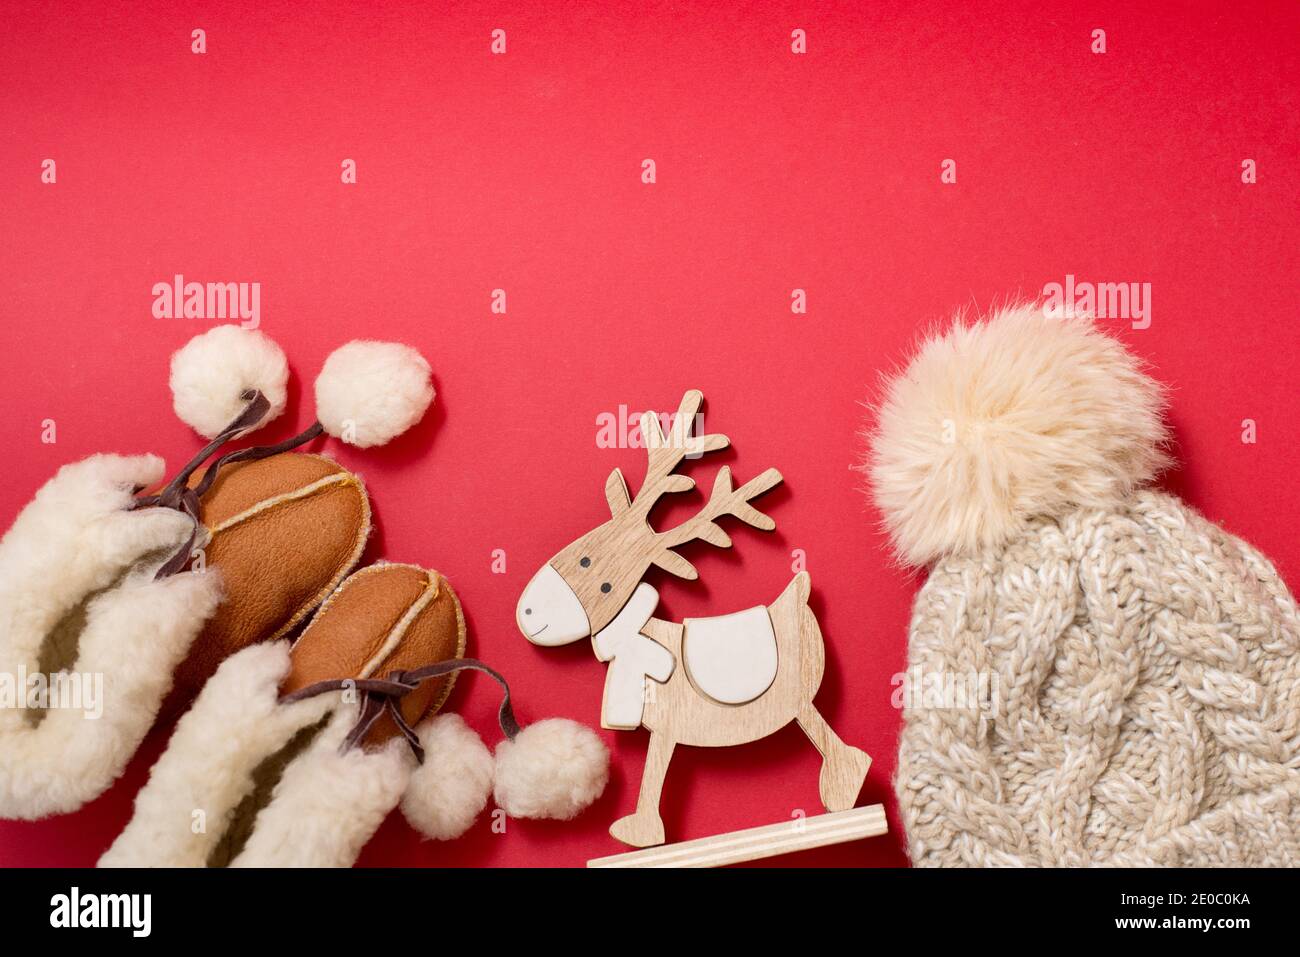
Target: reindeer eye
605,588
584,562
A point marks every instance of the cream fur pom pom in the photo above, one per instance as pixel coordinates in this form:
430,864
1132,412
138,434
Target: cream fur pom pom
371,392
1017,416
211,373
553,768
448,792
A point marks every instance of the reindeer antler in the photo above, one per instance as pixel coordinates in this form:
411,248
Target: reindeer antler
664,454
724,500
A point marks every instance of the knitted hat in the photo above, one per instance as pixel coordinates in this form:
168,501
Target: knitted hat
1096,674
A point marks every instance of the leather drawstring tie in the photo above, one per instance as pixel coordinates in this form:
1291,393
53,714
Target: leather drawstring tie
179,496
380,695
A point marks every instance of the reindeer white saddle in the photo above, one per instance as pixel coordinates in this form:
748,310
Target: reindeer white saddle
706,682
731,658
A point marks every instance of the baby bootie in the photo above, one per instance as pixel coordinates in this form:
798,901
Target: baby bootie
284,528
293,757
106,595
89,634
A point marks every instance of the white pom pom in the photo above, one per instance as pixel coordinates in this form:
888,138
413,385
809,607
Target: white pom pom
211,373
1019,416
450,789
371,392
553,768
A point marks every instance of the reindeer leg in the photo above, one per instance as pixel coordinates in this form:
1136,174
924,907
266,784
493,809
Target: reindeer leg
844,769
644,828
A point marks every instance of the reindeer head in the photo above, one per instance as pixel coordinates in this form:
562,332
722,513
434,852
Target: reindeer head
582,589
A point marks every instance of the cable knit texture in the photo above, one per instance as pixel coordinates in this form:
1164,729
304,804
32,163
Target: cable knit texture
1147,669
1136,669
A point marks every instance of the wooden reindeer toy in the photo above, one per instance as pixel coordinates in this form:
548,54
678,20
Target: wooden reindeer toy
707,682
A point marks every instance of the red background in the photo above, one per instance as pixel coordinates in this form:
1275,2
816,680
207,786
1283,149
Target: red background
522,172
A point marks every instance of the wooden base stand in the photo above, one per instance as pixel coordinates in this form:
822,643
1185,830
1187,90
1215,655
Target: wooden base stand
758,842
